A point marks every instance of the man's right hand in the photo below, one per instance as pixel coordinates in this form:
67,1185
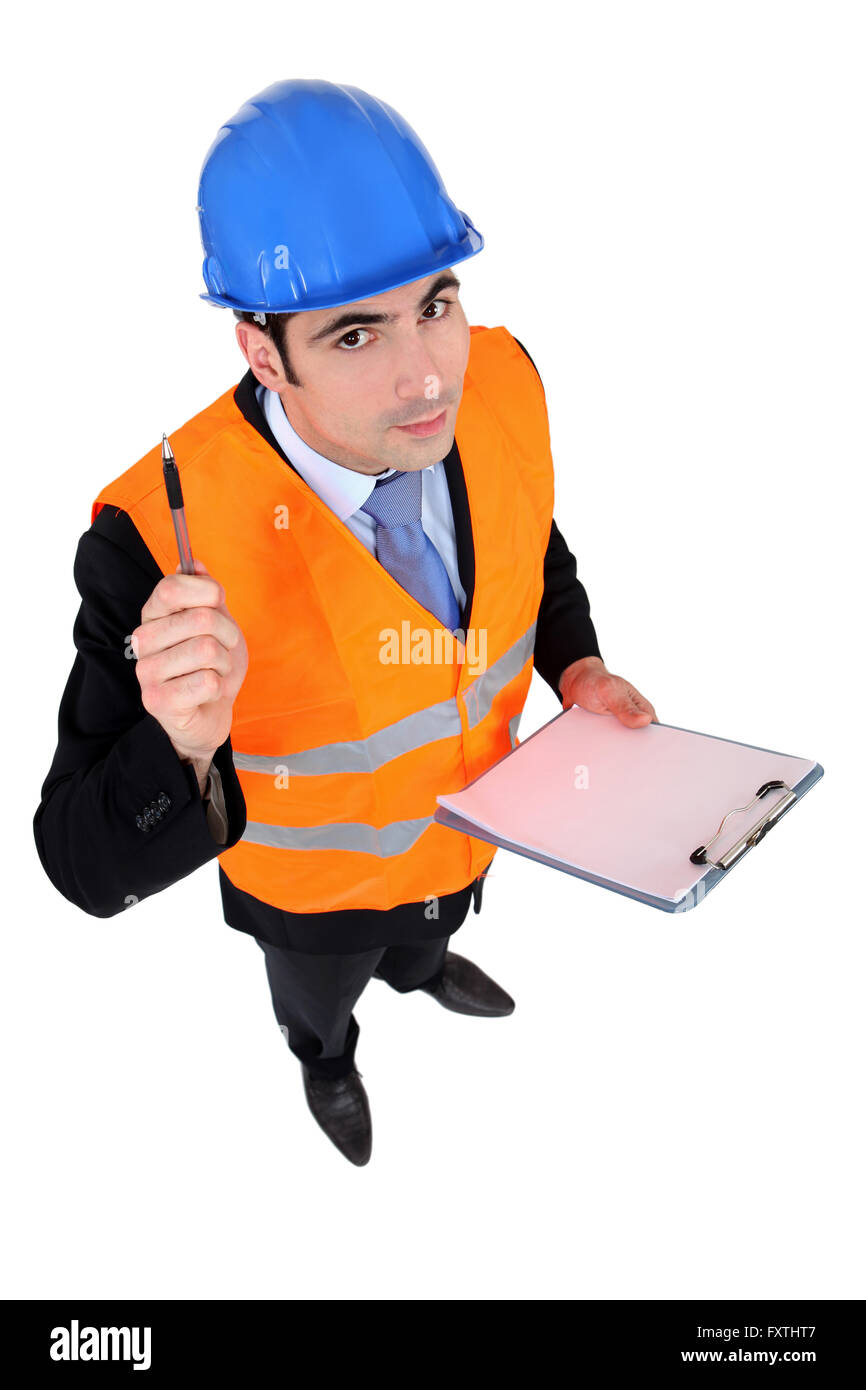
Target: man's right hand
191,662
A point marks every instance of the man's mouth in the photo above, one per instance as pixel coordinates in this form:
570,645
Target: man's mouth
432,425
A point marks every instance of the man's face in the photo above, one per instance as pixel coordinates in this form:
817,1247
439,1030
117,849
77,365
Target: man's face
369,368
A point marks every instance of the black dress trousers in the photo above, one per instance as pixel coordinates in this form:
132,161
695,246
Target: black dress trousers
314,995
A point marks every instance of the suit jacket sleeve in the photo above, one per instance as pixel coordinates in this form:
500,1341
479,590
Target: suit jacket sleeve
565,631
114,760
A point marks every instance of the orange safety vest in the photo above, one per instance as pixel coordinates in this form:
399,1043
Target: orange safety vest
354,714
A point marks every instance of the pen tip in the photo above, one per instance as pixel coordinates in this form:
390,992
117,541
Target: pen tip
166,450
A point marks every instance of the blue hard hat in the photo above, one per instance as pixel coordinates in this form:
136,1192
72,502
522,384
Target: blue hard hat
315,195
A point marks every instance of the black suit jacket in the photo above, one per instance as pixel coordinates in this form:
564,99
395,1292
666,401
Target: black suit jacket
121,818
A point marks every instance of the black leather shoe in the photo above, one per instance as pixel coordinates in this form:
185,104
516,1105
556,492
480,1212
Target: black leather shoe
341,1108
467,990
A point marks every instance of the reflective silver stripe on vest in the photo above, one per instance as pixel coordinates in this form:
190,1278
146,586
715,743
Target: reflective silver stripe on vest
364,754
392,839
404,735
479,696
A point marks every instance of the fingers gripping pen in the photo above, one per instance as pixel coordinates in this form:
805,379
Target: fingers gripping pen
175,502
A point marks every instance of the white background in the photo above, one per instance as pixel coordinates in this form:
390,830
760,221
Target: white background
672,200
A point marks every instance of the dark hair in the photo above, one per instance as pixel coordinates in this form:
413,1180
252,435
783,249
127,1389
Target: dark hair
274,327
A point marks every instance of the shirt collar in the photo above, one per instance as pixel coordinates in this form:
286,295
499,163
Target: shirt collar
340,488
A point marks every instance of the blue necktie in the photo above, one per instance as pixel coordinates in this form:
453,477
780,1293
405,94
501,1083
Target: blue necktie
405,550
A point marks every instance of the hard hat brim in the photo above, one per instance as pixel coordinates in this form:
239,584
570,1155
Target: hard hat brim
452,255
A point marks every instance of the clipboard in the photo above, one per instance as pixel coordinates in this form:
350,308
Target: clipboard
659,813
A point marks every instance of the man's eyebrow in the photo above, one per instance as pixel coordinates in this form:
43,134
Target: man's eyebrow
348,320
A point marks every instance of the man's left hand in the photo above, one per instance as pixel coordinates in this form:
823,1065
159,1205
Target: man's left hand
591,685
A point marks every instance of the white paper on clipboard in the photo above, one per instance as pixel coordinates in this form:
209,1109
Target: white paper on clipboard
624,807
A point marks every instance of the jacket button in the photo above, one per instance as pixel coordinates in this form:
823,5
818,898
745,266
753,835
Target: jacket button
153,811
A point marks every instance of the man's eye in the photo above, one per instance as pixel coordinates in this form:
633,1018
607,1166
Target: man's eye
353,332
446,310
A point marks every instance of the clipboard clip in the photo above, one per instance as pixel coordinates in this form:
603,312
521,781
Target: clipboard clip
753,836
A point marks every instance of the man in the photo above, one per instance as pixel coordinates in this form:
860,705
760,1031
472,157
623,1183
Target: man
378,571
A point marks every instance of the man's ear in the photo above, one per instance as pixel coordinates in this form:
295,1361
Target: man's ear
261,355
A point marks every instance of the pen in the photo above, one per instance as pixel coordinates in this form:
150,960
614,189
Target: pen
175,502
